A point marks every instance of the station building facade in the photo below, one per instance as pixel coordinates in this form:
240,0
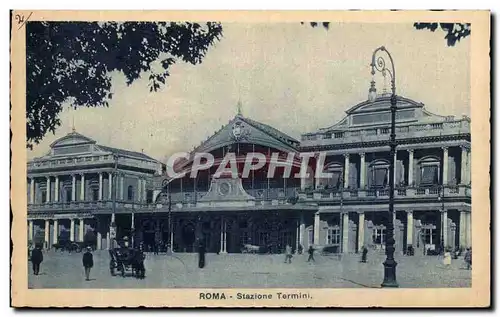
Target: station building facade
345,211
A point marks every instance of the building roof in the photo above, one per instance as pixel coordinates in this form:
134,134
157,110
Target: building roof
270,130
126,152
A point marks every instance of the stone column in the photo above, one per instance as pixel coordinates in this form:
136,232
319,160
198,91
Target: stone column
172,230
409,229
410,167
110,186
468,168
132,227
32,191
445,166
144,193
99,240
82,187
56,189
47,233
302,183
463,163
468,241
139,190
72,230
223,236
81,229
121,186
463,229
30,230
316,228
55,233
345,233
362,173
100,185
361,230
48,189
73,188
346,169
302,230
444,226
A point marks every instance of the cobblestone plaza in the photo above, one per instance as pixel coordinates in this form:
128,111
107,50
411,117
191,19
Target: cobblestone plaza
63,270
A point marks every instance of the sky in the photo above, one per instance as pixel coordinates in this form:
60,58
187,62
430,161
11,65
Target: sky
293,77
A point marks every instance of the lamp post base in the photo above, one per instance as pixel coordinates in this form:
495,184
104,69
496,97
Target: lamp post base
390,274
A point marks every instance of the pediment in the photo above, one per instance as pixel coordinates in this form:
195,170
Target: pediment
242,130
72,138
377,113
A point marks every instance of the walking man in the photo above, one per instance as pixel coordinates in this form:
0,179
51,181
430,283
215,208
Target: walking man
311,254
201,255
88,262
364,252
36,258
288,254
468,258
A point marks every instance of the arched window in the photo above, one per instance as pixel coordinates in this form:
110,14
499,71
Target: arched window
429,171
130,193
335,181
379,173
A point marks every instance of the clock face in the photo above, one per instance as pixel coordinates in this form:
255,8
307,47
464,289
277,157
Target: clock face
224,189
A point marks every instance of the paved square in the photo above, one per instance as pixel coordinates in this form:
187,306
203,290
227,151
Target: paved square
63,270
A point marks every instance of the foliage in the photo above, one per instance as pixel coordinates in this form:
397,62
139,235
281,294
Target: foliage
454,31
326,25
73,61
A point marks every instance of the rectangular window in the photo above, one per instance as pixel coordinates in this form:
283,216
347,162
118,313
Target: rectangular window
68,195
429,236
378,236
149,197
333,236
429,175
380,177
243,237
95,194
44,196
310,233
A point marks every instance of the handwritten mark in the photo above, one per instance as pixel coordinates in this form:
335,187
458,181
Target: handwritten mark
21,21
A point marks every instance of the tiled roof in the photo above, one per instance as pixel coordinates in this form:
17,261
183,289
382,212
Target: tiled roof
270,130
128,153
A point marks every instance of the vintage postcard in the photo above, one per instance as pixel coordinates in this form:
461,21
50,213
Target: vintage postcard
250,159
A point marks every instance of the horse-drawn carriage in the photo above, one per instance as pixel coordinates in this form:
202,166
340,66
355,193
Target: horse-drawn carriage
127,259
70,246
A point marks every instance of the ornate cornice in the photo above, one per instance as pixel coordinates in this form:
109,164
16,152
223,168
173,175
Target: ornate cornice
381,143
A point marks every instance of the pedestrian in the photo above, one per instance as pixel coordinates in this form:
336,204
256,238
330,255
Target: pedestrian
468,258
447,259
300,249
311,254
88,262
364,252
288,254
36,258
201,255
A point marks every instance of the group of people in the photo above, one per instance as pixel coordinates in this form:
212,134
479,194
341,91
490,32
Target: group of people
447,257
36,258
289,253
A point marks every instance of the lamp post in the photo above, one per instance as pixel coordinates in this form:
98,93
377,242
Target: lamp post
378,64
442,228
166,185
113,226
